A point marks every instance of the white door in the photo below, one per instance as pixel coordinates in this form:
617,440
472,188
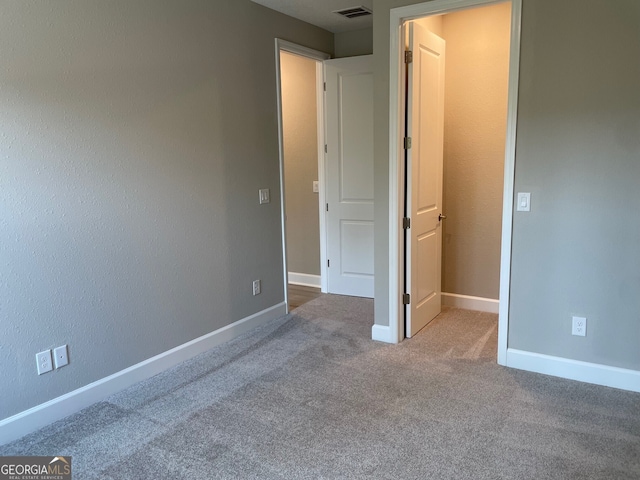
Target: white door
349,168
425,126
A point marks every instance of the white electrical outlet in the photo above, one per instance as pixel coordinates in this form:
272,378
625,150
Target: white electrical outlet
579,326
60,357
43,359
256,287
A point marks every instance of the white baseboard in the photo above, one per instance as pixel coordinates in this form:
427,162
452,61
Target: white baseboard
575,370
305,279
18,425
382,333
467,302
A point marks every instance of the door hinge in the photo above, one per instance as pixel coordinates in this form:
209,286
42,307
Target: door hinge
325,86
325,148
328,263
327,207
406,299
406,223
408,56
407,143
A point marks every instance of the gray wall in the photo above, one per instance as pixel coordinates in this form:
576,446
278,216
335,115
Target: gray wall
578,153
134,139
577,251
352,44
300,132
475,122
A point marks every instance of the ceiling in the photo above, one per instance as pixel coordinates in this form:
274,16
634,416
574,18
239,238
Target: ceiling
320,12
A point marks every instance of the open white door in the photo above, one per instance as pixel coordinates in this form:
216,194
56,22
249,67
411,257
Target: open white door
349,179
425,127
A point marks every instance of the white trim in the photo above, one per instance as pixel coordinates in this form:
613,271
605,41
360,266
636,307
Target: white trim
301,50
396,245
597,374
382,333
480,304
305,279
285,46
396,255
509,179
21,424
322,182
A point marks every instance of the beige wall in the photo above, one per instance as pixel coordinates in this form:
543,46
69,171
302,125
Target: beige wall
300,132
476,82
433,23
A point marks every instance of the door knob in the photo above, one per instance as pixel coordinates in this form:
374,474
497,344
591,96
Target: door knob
441,217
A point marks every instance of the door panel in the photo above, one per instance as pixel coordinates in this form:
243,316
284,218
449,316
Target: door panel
349,163
425,126
357,241
356,137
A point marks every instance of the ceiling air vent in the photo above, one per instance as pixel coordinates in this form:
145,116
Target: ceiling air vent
354,12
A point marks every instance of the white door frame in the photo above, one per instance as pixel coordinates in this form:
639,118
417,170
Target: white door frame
319,57
396,178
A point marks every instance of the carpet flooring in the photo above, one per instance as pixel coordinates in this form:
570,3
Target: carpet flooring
311,396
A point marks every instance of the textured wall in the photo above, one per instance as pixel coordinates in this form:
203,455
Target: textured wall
476,82
134,139
300,131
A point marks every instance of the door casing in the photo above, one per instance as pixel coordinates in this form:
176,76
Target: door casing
319,57
398,16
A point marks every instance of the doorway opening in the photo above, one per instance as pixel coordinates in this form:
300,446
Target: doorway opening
462,194
299,79
325,120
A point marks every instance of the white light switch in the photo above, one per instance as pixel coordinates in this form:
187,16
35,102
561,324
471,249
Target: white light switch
524,202
316,189
264,196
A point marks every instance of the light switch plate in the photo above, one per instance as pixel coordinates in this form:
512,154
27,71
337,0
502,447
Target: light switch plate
524,202
264,196
316,188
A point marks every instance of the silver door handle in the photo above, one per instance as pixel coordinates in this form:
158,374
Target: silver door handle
441,217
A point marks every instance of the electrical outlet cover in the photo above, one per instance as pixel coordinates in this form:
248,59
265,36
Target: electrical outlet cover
43,360
579,326
60,357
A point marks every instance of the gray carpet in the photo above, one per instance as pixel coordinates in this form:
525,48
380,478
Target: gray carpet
311,396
